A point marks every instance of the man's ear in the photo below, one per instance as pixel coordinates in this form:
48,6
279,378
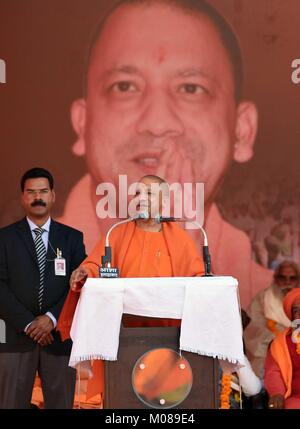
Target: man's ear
78,118
245,131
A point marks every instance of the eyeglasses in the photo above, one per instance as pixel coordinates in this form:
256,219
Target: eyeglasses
281,278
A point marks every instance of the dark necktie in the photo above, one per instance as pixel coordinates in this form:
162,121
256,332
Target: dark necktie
41,257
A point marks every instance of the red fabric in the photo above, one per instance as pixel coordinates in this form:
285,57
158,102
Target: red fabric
292,403
132,321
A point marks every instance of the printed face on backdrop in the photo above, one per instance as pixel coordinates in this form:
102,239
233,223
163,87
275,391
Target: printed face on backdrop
161,100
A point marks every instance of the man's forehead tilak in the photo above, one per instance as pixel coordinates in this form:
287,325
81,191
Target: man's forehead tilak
161,55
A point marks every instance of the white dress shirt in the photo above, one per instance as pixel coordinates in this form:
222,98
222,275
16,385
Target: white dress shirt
45,238
46,228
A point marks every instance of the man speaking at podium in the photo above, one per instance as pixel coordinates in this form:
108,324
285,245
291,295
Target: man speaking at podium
141,248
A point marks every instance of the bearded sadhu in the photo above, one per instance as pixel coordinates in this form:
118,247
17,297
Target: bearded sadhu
282,367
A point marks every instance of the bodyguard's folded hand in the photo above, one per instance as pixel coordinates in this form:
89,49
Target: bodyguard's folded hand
46,340
40,329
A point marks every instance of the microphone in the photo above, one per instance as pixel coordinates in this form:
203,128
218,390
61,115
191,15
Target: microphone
205,250
142,215
106,270
160,219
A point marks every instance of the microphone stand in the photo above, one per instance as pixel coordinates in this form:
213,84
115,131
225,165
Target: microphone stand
107,257
205,250
106,270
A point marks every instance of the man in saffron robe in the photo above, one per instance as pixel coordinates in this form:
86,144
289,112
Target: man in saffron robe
143,248
282,367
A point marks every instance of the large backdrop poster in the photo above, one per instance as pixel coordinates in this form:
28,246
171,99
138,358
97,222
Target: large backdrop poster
44,66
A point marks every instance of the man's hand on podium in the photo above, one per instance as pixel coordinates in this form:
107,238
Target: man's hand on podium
78,278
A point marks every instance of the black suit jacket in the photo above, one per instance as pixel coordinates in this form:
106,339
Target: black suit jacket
19,281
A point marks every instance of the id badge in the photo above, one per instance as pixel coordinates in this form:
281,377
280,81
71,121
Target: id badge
60,266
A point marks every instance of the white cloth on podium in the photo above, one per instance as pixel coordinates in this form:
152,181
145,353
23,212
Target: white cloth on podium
211,324
161,297
208,307
96,325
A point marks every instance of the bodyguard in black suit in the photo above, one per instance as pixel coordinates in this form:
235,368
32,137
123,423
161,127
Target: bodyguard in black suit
37,257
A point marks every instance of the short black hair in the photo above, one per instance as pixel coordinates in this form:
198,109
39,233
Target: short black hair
228,37
35,173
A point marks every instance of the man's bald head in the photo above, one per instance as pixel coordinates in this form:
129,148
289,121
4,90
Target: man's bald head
162,184
153,179
152,193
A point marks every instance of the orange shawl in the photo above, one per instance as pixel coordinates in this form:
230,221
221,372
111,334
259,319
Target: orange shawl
280,353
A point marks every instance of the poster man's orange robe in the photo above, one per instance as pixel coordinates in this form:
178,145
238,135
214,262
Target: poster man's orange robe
137,253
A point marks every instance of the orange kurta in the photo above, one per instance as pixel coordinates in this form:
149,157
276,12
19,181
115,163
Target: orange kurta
137,253
147,256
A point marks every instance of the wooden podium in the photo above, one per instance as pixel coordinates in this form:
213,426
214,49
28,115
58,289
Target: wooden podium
96,334
134,342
